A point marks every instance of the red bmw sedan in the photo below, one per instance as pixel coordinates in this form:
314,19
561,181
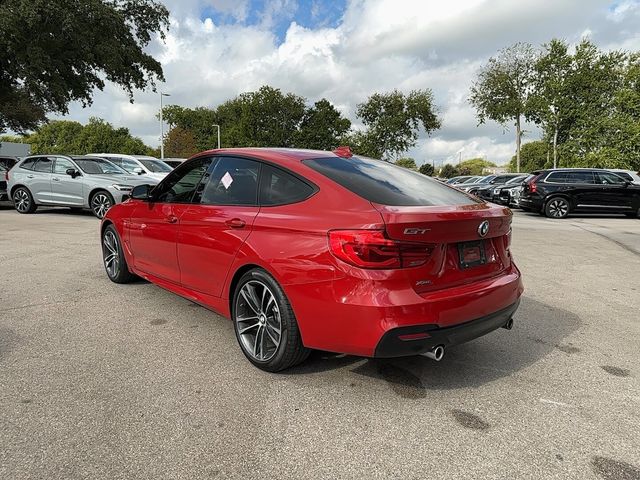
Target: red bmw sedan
320,250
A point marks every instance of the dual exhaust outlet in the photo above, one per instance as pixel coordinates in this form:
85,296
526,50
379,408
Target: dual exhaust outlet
437,353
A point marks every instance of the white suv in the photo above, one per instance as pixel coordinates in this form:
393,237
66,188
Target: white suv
151,167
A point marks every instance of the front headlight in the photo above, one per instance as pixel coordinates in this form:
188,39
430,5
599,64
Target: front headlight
496,191
122,188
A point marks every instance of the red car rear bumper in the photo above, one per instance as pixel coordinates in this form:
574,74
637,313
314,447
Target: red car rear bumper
364,316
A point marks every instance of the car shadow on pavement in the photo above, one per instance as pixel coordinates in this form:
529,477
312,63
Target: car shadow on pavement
539,330
64,211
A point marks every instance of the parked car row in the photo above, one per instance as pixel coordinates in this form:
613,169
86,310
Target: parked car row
558,192
93,181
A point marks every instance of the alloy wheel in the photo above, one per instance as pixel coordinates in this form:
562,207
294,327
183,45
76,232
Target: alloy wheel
110,253
558,208
21,200
258,320
100,204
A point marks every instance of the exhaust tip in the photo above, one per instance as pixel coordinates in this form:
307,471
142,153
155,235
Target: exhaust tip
436,353
508,325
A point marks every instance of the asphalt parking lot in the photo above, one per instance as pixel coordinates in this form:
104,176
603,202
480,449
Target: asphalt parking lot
106,381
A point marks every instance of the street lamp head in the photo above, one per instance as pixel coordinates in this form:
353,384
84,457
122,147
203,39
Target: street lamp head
165,94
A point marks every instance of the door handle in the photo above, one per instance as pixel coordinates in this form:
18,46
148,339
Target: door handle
172,219
236,223
55,179
29,176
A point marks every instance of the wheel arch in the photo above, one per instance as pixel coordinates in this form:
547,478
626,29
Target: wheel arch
95,190
240,271
18,185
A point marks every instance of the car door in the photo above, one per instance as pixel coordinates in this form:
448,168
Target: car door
213,228
65,189
613,192
39,180
153,225
582,187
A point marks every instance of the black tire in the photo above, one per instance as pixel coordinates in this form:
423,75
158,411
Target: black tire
100,202
290,350
23,200
557,207
112,249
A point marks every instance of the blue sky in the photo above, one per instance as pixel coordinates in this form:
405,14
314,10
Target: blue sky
277,16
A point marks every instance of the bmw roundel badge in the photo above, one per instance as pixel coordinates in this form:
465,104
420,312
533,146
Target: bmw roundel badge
483,228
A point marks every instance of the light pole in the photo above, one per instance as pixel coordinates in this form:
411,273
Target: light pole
218,127
162,126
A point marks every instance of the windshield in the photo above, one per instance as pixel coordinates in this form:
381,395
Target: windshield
471,180
97,166
387,184
155,165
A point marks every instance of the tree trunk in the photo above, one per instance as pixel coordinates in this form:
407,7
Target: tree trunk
555,147
518,139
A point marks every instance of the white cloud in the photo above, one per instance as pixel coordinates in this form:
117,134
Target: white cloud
378,45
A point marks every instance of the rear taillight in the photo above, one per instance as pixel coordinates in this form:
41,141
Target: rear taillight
372,249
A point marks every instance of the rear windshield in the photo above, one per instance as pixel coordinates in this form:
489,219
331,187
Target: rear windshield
387,184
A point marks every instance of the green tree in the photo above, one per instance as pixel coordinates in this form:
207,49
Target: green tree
264,118
409,163
501,91
200,122
426,169
533,156
550,104
474,166
393,120
362,143
180,143
58,51
448,171
267,118
63,136
322,127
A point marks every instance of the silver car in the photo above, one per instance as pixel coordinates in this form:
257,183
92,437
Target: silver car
70,181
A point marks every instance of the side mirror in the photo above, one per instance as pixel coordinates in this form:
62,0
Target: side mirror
72,172
141,192
138,170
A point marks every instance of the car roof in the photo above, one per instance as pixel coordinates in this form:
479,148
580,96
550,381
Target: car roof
282,156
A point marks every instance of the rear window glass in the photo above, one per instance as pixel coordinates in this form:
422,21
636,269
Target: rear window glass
28,163
43,165
387,184
279,187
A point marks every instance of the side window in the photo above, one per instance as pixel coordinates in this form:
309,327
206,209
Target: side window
28,164
233,181
278,187
181,183
61,165
557,177
43,165
580,177
607,178
625,175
